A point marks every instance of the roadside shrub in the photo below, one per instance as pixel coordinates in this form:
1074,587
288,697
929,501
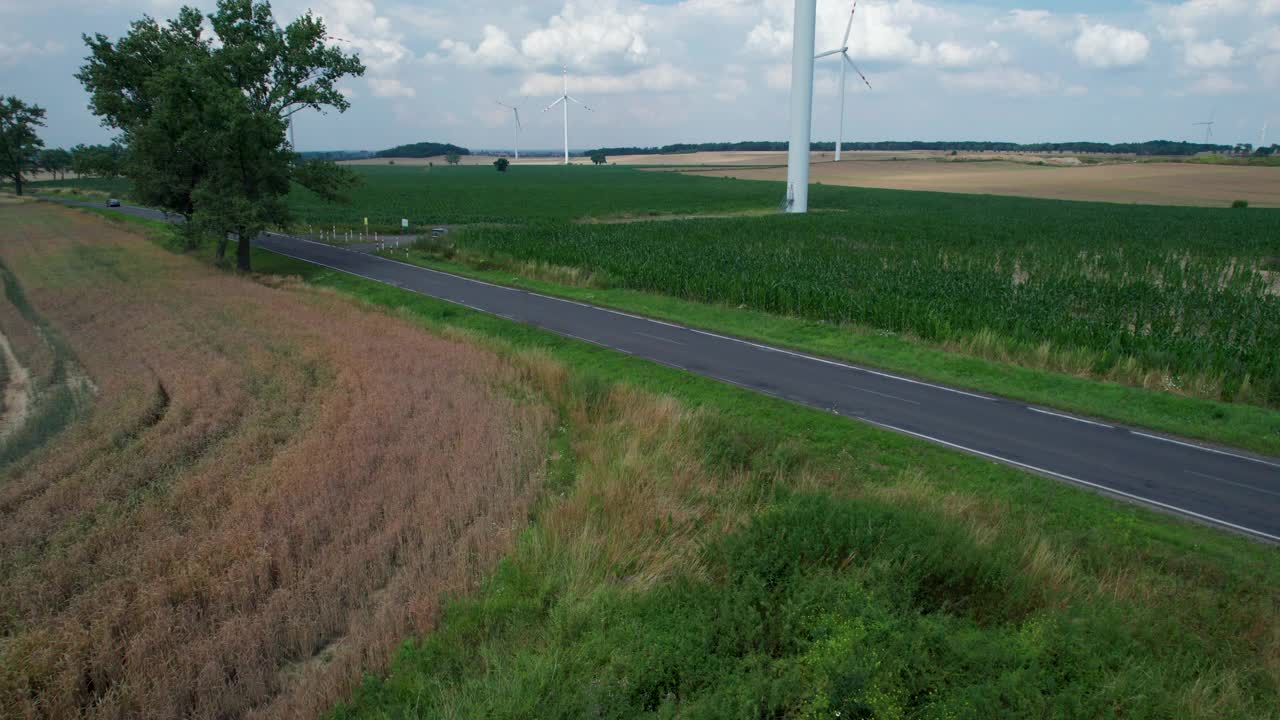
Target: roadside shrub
1240,204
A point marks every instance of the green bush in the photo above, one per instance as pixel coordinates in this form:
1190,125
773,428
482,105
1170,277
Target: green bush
1240,204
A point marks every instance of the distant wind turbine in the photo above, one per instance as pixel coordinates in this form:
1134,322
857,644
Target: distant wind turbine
564,101
1262,141
519,128
847,62
1208,128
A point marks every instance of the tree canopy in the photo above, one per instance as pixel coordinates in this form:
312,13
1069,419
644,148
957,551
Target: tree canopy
205,115
19,144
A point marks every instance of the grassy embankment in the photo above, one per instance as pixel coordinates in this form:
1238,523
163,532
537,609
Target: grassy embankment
709,551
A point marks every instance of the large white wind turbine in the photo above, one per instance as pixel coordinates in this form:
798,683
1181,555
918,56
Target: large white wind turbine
797,200
519,128
564,101
845,64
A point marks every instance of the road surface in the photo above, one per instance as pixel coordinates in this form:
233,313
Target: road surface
1229,488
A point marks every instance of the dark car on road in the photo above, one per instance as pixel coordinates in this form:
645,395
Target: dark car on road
113,203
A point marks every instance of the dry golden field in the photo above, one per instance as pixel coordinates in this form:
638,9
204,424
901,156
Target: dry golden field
266,491
1147,183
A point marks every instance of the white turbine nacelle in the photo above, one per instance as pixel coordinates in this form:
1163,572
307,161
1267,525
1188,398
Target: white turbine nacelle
845,64
564,101
519,128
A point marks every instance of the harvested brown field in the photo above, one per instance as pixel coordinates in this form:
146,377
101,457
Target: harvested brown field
271,489
1146,183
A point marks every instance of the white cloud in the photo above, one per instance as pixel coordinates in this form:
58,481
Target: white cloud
659,78
954,55
494,50
359,26
731,89
881,31
1038,23
1214,54
1104,46
589,37
389,87
1001,81
13,52
1216,84
1269,71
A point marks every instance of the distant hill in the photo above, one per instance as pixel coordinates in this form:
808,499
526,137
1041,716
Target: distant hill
422,150
1154,147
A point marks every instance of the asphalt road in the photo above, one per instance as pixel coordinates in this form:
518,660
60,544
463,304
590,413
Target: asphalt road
1233,489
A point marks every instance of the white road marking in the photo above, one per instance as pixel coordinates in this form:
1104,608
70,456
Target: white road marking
883,395
1078,481
657,337
1206,449
1070,417
1232,482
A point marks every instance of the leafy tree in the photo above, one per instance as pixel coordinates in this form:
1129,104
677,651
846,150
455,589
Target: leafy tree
453,157
599,158
98,160
19,144
56,161
501,164
206,118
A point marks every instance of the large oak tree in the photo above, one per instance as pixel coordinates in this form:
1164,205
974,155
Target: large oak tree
205,116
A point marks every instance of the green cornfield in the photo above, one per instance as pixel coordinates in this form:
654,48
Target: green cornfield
1186,291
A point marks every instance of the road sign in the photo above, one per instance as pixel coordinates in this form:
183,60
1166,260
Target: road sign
404,223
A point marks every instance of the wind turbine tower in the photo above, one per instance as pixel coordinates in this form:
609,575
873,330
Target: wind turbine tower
797,200
1208,128
845,64
564,101
519,128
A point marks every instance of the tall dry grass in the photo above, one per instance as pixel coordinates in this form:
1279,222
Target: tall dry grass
272,489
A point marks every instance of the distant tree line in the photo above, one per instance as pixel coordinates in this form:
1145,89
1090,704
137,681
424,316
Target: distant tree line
422,150
1153,147
336,155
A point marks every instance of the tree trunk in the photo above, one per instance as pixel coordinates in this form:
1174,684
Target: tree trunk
243,257
17,184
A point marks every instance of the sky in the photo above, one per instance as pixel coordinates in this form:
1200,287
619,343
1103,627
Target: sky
667,71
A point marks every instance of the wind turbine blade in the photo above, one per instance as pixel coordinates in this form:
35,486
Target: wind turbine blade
517,112
849,28
584,105
829,52
557,102
855,69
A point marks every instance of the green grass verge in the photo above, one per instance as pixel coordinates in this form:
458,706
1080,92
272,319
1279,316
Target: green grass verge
1245,426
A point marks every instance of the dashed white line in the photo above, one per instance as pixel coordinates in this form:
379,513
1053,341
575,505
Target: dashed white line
1070,417
883,395
1078,481
657,337
1232,482
1206,449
